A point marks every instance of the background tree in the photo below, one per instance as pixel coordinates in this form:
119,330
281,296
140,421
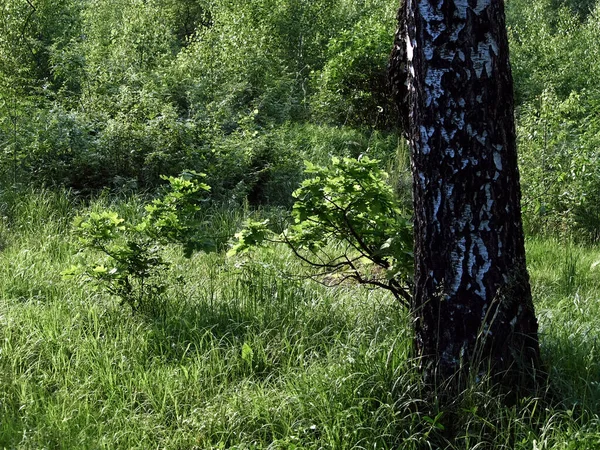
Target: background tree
472,300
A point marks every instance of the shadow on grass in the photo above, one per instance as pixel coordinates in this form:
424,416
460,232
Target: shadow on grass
574,372
258,326
562,412
258,322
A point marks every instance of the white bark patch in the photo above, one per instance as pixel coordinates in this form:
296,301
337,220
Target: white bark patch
422,180
428,52
445,134
437,201
471,259
448,136
433,18
433,81
435,29
454,37
489,200
461,8
491,41
458,119
467,216
498,161
431,13
457,257
447,55
409,49
470,131
426,133
481,139
481,5
434,26
462,5
482,56
483,270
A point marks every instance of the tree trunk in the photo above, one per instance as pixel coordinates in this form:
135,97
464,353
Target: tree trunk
472,300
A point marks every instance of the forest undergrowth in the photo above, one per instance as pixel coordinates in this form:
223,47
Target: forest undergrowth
99,100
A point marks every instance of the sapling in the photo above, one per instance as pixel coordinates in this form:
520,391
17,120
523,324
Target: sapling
133,266
347,224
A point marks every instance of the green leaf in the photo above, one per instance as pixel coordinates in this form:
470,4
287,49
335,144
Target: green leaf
100,270
247,353
253,234
71,272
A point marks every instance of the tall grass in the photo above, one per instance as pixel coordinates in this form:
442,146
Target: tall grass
247,356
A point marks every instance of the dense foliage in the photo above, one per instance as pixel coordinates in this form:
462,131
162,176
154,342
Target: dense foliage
97,94
556,61
101,93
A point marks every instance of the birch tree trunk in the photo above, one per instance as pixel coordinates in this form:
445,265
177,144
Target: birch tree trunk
472,301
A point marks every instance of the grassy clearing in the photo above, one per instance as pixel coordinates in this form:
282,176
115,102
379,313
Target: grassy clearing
245,357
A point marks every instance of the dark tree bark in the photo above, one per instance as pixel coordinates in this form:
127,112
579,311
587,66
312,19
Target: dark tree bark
472,301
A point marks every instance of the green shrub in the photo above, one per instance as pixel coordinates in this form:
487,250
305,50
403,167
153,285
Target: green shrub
352,87
560,164
348,224
557,115
133,267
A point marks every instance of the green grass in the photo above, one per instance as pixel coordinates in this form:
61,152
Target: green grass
246,357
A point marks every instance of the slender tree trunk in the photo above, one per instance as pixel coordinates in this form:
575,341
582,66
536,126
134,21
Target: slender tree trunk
472,300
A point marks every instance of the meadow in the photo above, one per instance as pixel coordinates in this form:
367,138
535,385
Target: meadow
247,353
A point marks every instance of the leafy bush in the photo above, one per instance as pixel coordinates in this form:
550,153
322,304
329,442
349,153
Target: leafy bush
133,267
560,164
352,87
101,94
546,37
557,114
348,224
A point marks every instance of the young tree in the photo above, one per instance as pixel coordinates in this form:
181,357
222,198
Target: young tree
472,300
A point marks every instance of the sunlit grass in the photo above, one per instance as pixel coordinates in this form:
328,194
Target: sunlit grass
246,356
